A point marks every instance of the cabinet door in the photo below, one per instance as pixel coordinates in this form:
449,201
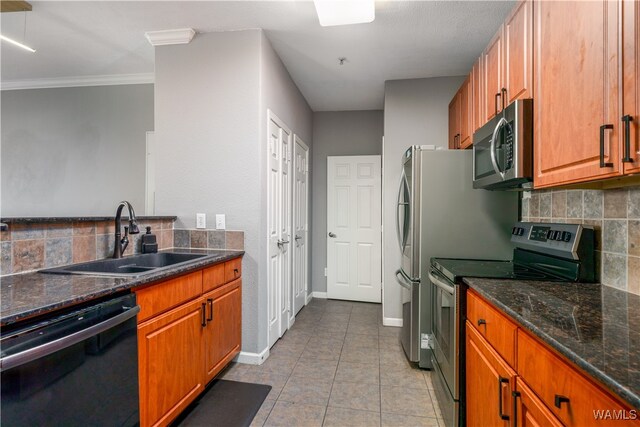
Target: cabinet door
478,96
454,122
518,53
529,411
170,359
466,112
631,80
576,91
490,382
223,333
492,76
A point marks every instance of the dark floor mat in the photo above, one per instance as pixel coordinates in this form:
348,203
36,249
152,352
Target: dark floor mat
225,403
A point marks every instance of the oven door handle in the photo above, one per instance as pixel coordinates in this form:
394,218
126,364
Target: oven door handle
402,280
46,349
442,285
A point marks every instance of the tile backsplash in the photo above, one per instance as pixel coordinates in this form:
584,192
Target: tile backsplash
208,239
36,245
615,216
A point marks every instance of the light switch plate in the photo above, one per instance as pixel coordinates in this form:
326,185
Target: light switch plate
220,222
201,220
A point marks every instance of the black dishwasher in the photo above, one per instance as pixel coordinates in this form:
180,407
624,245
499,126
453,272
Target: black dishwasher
78,368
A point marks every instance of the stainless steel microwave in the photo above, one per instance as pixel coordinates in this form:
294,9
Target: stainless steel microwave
503,149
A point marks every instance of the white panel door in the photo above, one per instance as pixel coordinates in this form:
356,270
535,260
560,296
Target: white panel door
300,223
279,227
354,239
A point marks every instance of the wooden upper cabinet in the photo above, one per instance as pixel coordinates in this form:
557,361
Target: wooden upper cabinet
631,83
477,98
576,91
492,76
454,122
466,112
490,382
223,332
518,53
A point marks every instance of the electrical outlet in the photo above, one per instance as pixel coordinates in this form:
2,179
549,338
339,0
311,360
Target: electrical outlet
201,220
220,222
325,272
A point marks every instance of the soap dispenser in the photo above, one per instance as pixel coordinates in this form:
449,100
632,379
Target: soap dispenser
149,242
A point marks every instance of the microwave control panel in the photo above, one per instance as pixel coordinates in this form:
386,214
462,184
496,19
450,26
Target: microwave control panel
509,147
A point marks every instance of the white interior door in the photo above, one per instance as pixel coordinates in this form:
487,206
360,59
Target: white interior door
279,227
354,239
300,223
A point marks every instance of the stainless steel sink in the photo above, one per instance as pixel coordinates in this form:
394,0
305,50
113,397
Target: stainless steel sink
131,266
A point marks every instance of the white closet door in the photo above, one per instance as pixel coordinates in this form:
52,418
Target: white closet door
300,223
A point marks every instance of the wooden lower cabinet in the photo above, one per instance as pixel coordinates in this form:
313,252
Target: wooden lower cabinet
529,411
170,369
490,382
223,333
182,349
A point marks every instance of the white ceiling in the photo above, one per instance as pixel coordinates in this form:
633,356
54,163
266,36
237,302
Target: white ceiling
408,39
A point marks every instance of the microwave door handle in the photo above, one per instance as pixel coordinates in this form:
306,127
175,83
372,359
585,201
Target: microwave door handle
494,137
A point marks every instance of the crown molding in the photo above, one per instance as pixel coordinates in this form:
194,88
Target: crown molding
166,37
78,81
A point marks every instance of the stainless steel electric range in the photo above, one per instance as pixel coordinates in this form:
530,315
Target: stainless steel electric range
552,252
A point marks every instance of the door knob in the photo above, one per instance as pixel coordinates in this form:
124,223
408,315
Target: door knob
332,235
282,242
298,237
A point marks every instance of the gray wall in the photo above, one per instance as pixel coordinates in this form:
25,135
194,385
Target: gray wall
279,94
342,133
415,113
211,136
74,151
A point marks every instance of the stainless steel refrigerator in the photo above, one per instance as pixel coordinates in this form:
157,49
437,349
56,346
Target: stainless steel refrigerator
439,214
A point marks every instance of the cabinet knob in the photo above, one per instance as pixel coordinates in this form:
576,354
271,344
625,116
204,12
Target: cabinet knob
559,400
482,322
604,164
235,271
501,380
627,139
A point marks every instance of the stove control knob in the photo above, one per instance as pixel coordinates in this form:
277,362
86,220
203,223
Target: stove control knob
550,234
520,231
514,231
558,236
566,236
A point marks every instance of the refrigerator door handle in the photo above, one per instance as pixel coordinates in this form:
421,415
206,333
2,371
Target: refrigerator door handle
402,281
398,206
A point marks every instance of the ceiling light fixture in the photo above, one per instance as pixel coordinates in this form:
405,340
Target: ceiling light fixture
345,12
168,37
13,42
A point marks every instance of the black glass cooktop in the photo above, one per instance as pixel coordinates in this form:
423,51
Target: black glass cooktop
455,269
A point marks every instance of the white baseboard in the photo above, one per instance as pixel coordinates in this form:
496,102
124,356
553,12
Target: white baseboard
252,358
308,299
392,321
321,295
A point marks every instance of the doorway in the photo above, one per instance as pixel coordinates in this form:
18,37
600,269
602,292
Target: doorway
300,224
354,228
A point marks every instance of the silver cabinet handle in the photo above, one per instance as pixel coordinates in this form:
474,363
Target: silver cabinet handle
333,236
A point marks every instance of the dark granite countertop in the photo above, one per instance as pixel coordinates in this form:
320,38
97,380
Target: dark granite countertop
31,294
40,219
596,327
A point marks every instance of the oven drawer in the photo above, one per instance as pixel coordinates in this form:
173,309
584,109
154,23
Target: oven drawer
493,326
553,380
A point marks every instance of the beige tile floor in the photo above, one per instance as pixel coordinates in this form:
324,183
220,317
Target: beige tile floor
338,366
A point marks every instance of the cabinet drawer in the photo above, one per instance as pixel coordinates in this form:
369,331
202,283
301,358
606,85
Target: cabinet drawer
493,326
551,378
158,298
232,269
213,277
